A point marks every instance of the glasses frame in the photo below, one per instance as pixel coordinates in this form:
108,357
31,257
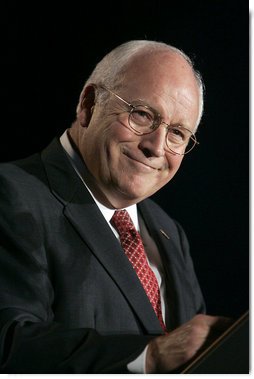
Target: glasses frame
156,124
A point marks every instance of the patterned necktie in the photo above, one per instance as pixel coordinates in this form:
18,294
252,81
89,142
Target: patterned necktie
132,244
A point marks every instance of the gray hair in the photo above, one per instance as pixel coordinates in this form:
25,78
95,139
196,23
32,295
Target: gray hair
110,70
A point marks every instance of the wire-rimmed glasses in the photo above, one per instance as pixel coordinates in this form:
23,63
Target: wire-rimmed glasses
143,119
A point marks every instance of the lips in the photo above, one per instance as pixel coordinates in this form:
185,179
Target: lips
140,160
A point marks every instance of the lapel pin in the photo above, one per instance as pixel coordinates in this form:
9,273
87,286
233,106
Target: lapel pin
164,234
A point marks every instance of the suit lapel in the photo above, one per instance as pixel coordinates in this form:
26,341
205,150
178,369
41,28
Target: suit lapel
95,231
81,210
178,284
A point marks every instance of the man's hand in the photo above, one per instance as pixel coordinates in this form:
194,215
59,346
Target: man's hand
167,353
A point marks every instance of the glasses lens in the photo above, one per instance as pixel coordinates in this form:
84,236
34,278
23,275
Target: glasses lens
180,140
141,119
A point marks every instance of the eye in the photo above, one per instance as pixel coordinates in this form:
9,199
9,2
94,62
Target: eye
142,116
177,134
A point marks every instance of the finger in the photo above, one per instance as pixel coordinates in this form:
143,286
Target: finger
223,323
219,323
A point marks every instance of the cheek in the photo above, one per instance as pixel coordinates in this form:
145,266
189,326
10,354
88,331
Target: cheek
109,143
174,162
114,137
120,132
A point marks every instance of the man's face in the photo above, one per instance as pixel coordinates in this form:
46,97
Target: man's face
126,167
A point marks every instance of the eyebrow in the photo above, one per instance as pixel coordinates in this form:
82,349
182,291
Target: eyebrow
181,123
136,102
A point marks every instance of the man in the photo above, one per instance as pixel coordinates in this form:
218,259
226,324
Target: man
71,297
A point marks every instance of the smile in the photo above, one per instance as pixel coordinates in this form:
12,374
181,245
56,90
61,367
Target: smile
140,163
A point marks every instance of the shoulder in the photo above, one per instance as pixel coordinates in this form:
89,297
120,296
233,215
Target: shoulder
158,213
20,167
158,219
21,175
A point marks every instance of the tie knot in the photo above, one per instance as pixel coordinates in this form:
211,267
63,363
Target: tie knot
122,221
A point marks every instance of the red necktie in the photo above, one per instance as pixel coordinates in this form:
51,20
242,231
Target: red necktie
132,244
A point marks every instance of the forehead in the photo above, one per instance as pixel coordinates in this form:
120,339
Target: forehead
158,64
164,80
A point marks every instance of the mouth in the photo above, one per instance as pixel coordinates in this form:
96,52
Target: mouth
140,162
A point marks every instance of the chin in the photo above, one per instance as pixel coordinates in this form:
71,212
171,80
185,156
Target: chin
135,193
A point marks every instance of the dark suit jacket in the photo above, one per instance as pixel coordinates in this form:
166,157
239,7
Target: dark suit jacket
70,301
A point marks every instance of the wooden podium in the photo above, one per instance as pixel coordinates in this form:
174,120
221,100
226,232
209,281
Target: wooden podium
229,354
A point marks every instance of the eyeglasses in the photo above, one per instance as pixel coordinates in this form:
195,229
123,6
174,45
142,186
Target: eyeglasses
143,119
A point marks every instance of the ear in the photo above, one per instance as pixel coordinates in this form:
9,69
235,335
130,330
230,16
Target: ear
86,105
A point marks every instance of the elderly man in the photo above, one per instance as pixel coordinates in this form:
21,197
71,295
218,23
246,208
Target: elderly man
95,277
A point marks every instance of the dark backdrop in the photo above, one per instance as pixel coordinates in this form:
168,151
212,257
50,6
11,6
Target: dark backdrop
48,51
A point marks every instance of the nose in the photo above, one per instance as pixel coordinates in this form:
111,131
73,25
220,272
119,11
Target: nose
153,144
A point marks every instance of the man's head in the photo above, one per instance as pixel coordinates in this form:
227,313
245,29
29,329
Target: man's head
126,166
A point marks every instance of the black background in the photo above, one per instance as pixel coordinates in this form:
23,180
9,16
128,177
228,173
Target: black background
48,50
